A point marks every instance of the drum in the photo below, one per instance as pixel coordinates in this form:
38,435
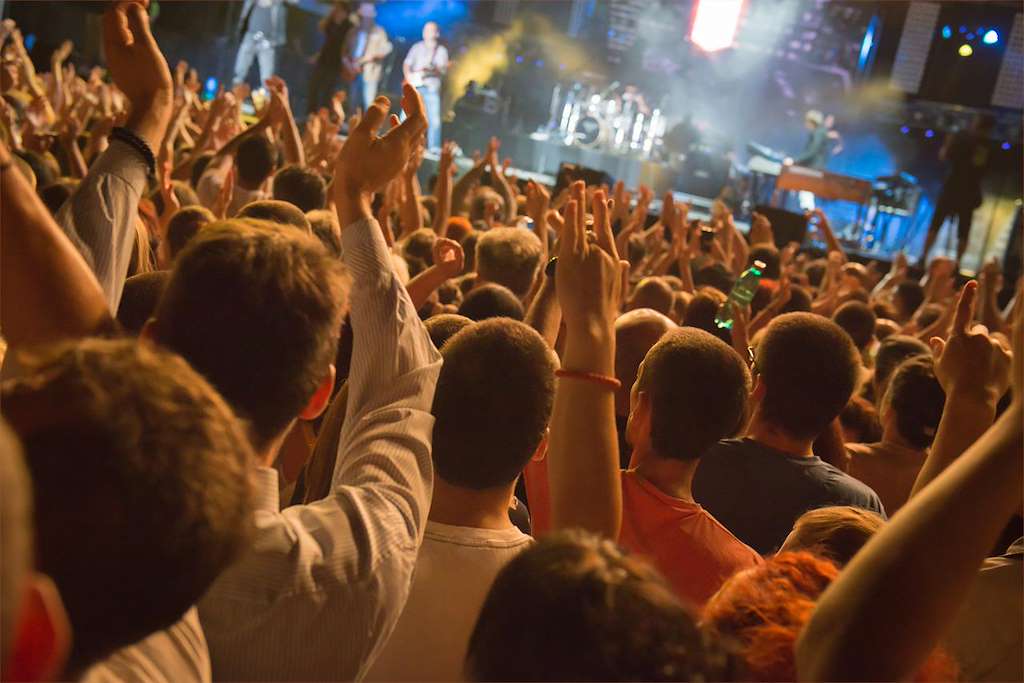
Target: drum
590,131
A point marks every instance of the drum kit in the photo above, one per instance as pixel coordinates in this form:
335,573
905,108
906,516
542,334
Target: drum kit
611,119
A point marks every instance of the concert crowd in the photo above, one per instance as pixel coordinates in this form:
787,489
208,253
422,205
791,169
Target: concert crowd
274,410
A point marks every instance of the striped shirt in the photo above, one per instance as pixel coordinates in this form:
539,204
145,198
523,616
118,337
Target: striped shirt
323,585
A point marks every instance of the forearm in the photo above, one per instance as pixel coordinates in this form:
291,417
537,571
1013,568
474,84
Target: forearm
48,291
409,209
423,285
889,607
293,151
963,421
544,314
443,212
583,449
463,186
76,162
509,195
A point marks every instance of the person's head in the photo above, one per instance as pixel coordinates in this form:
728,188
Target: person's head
700,313
46,173
34,630
714,275
492,403
443,327
278,212
324,224
815,272
367,13
690,392
139,299
858,320
183,192
257,311
885,328
575,607
859,421
653,293
420,245
255,161
55,194
799,300
768,254
928,314
836,533
913,402
199,167
491,301
140,475
509,257
908,297
431,32
763,609
813,119
891,352
301,187
483,197
182,227
807,370
635,333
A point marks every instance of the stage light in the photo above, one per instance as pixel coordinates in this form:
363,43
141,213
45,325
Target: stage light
947,32
1005,146
991,37
519,59
904,129
963,29
929,133
965,50
970,36
539,63
715,23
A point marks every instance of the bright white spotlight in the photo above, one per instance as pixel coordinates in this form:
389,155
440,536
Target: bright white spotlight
715,23
991,37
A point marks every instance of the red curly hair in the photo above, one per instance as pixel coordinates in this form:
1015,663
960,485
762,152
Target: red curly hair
763,609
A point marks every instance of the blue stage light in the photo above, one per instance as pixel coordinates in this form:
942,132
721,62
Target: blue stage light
963,29
904,129
1005,145
929,133
991,37
947,32
970,36
519,59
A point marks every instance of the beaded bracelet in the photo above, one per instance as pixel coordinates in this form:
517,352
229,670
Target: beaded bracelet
138,144
602,380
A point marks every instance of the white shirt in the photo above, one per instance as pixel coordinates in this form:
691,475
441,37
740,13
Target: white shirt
210,185
322,586
454,572
175,655
419,58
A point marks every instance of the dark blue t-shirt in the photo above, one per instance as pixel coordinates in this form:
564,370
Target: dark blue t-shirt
758,492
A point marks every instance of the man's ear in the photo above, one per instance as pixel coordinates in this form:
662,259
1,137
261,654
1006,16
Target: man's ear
149,331
542,448
321,397
42,635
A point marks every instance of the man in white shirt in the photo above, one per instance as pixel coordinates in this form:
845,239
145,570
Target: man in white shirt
482,440
424,67
257,310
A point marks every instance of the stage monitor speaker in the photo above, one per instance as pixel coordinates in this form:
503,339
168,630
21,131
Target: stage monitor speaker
570,173
704,173
787,226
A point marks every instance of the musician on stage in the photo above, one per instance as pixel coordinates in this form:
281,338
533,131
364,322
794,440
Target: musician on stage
335,27
262,27
967,154
366,46
815,152
424,67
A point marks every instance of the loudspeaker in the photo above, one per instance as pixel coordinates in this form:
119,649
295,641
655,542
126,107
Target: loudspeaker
570,173
787,226
704,173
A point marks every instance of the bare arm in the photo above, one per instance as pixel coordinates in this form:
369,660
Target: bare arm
449,261
830,237
443,189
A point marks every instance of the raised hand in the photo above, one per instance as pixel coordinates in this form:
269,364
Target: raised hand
227,191
970,362
61,53
448,257
368,161
447,161
139,69
761,230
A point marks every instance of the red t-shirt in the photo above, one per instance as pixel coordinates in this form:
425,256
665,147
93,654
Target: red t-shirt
687,545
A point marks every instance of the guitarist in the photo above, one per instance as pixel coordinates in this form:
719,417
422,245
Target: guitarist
366,46
424,68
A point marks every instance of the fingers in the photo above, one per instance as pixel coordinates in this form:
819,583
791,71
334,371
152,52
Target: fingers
571,242
965,308
374,116
603,224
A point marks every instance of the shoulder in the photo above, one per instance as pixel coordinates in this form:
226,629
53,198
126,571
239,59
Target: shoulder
851,490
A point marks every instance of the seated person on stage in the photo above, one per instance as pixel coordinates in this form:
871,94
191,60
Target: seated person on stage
806,370
910,415
482,440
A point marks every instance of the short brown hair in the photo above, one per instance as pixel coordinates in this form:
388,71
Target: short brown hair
698,388
809,367
492,403
443,327
837,532
653,293
140,474
594,613
324,224
916,397
509,257
184,225
301,187
858,320
491,301
257,310
276,212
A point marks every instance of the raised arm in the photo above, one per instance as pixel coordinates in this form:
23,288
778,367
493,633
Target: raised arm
443,188
47,292
583,450
100,216
281,112
893,603
830,237
448,263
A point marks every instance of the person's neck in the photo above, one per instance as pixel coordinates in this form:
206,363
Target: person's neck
267,455
767,434
480,509
430,43
892,436
670,476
